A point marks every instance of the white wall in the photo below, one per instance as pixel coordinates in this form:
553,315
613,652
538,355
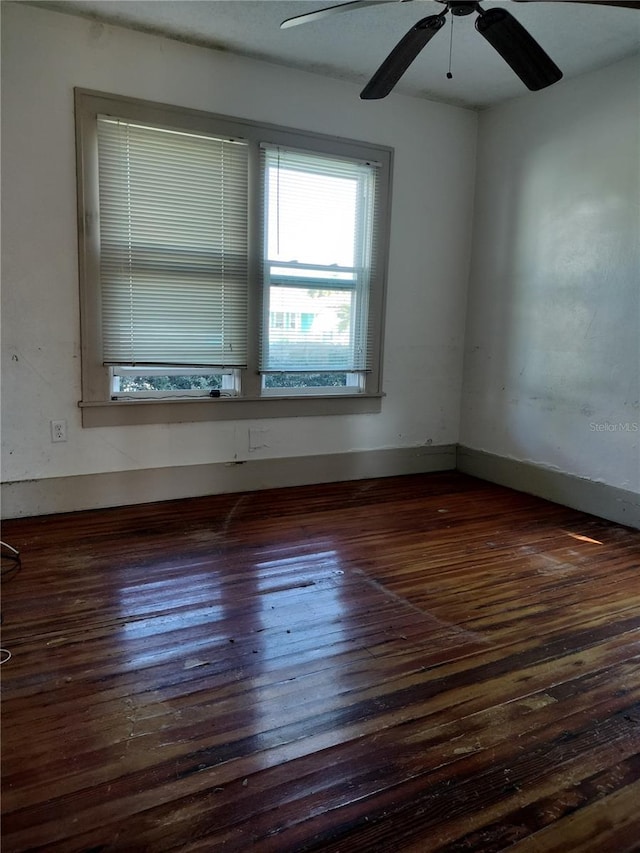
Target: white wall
552,360
45,54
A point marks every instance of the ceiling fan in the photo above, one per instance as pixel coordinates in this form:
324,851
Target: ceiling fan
503,32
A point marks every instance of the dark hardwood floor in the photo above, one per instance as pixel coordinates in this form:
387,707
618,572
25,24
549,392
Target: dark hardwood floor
407,664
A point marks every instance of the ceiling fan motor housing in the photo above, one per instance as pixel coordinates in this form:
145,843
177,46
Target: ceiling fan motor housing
462,7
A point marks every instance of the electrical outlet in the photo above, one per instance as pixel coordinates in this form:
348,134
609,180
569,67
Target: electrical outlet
58,430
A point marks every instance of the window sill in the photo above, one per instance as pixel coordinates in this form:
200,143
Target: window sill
132,412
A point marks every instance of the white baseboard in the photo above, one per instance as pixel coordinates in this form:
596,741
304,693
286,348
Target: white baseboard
121,488
614,504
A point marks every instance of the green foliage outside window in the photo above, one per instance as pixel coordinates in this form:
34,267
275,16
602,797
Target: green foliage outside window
169,383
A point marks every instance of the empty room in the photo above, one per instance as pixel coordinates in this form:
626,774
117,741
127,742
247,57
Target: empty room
320,426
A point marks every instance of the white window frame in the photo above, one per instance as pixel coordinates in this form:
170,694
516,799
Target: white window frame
247,397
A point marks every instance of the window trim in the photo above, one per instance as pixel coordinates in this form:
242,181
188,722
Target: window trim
98,409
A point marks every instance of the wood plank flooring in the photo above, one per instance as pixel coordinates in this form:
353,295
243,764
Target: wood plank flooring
422,663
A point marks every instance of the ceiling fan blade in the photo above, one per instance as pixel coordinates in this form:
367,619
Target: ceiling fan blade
518,49
401,57
331,10
625,4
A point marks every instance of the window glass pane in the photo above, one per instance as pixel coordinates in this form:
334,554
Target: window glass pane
305,380
144,382
148,381
310,329
312,217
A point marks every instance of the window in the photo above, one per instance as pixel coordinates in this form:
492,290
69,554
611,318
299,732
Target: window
227,269
140,383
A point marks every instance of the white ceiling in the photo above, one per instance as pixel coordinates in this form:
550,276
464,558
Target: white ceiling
351,46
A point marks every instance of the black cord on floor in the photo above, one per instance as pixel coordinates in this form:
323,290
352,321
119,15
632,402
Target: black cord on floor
11,565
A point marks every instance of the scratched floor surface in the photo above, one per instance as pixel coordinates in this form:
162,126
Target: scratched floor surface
424,663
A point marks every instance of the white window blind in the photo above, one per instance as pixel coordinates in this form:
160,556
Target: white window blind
320,232
173,246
